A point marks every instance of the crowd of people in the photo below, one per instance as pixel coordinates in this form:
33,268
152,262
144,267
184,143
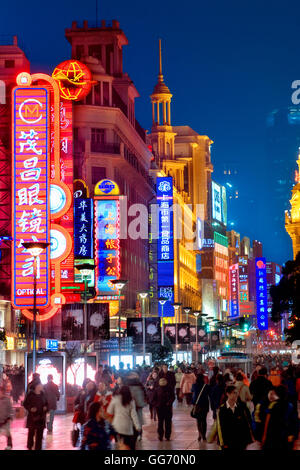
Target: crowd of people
245,409
108,412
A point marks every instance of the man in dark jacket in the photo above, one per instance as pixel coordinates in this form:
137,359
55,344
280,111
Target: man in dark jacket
52,395
234,422
163,398
36,404
169,376
260,387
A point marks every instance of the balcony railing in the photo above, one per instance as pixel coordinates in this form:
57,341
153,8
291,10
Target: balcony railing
99,147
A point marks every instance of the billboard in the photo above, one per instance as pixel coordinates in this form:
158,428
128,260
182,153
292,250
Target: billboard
107,245
30,193
219,203
135,329
183,333
83,228
243,279
234,290
261,293
165,245
153,330
97,320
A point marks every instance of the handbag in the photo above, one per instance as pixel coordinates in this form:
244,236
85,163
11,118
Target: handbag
195,411
74,435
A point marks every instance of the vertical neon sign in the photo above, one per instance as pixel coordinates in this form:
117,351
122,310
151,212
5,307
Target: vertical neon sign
234,290
30,193
261,293
107,244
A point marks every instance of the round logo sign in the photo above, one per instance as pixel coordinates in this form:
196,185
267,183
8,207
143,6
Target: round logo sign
106,188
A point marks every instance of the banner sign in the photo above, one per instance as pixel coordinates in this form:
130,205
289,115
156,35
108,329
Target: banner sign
83,229
234,290
30,207
261,293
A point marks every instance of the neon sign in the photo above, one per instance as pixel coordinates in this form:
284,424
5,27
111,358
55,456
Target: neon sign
74,79
30,193
107,244
234,290
261,293
165,245
83,228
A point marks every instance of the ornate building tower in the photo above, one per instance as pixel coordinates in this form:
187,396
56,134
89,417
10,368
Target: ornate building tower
292,217
162,136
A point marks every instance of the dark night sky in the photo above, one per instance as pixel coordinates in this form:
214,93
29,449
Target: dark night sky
227,63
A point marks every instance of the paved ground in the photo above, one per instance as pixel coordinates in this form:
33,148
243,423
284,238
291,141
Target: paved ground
184,435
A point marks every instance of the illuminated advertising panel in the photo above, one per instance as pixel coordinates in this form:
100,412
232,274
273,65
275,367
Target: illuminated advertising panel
107,245
234,290
261,293
30,193
83,228
165,245
216,201
243,279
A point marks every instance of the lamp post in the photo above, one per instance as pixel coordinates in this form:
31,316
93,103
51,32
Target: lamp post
120,284
85,269
176,306
196,314
162,302
35,249
187,311
143,296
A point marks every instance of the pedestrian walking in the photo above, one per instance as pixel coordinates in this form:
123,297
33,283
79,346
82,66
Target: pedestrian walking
243,391
217,392
96,432
6,416
103,396
164,373
163,401
281,424
234,422
139,396
178,377
200,399
151,385
36,405
52,395
186,383
84,398
260,387
125,418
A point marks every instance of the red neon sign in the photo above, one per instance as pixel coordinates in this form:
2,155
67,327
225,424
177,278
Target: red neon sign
30,193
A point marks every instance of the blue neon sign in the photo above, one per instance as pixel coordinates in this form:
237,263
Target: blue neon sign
261,293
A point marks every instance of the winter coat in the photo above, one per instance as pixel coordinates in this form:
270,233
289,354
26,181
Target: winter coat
170,377
96,436
216,395
234,429
52,395
139,396
203,401
36,418
178,377
124,417
244,392
104,400
260,388
186,383
6,410
82,403
163,397
150,389
281,422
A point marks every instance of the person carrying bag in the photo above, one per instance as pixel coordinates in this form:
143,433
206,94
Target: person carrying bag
201,405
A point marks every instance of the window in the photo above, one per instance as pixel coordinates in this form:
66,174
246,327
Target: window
98,174
105,93
9,64
97,95
98,136
79,51
95,51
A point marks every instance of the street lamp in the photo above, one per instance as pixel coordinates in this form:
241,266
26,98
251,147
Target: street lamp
120,284
85,269
162,302
35,249
176,306
143,296
187,311
196,314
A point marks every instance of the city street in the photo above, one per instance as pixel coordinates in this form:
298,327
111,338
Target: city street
184,435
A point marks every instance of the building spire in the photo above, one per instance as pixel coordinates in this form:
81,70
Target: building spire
161,87
160,75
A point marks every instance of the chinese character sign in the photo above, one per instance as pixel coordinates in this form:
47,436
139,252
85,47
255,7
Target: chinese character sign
30,208
165,245
234,290
107,244
261,293
83,228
